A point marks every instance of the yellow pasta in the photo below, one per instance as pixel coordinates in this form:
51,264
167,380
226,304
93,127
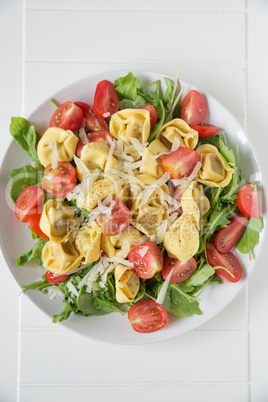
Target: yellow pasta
127,284
131,123
66,143
215,171
178,128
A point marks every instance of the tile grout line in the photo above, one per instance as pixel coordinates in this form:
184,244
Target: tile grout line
22,109
131,384
27,61
246,129
188,11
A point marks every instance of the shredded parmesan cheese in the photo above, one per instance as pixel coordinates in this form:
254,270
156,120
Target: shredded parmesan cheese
163,291
83,136
176,144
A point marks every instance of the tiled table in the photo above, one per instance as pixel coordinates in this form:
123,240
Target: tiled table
220,46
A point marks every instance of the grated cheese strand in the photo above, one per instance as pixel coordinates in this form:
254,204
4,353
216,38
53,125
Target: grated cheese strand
163,291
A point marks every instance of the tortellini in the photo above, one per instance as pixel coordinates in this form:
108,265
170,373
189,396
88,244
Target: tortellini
127,284
66,143
131,123
113,245
101,189
155,148
58,219
88,242
147,216
178,128
181,240
215,171
61,258
95,156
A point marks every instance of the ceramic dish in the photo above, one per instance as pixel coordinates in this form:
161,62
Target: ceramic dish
114,328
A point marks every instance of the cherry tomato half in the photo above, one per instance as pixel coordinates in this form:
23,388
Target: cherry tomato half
106,101
147,259
180,163
193,108
206,130
152,111
247,200
147,316
93,122
117,221
30,198
182,270
68,116
95,136
59,182
226,260
52,278
33,221
227,238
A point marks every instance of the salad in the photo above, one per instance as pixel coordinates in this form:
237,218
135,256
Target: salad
135,204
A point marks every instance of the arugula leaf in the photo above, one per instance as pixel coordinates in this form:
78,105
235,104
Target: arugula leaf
226,152
176,302
130,104
41,285
200,276
35,252
65,313
250,237
24,134
21,178
126,87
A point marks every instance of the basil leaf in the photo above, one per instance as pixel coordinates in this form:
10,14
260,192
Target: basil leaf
21,178
35,252
24,134
250,237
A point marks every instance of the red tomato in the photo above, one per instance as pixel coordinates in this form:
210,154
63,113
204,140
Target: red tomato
193,108
152,111
247,200
206,130
68,116
59,182
92,121
182,270
106,101
30,198
52,278
147,316
147,259
226,260
227,237
95,136
180,163
117,221
33,221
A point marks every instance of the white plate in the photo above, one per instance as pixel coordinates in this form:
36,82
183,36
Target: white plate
114,328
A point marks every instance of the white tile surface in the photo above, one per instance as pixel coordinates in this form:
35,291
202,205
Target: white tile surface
205,356
168,30
219,46
121,393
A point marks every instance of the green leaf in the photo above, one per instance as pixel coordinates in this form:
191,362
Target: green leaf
24,134
41,285
35,252
201,276
21,178
126,87
178,304
130,104
250,237
65,313
226,152
218,219
158,125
